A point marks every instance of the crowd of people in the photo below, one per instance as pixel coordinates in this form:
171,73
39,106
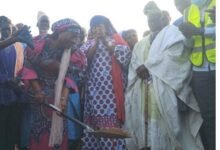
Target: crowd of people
160,89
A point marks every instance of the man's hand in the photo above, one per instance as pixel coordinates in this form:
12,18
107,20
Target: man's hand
142,72
189,30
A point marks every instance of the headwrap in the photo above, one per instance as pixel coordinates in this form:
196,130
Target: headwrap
116,72
98,19
66,24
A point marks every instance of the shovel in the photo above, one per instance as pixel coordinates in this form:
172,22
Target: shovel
104,132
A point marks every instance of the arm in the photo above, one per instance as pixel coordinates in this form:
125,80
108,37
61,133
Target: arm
189,30
123,55
50,65
39,95
92,50
23,35
7,42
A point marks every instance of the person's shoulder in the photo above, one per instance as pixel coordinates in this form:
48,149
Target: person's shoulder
178,21
144,39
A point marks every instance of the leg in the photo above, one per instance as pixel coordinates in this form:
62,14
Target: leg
204,89
3,125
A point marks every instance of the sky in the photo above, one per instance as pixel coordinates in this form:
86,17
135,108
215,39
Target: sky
124,14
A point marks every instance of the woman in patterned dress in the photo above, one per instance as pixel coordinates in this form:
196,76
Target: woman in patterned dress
108,58
42,69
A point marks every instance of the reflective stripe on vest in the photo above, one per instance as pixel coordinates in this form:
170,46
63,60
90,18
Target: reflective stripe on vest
192,15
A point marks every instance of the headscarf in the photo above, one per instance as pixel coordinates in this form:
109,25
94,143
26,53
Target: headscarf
66,24
116,68
98,19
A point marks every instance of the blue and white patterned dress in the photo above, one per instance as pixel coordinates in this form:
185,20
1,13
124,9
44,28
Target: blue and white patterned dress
100,103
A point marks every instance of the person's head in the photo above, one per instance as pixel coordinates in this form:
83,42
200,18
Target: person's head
146,33
157,19
6,27
101,25
181,5
130,36
43,23
165,17
200,3
66,33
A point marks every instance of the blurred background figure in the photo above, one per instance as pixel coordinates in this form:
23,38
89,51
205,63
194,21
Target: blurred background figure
11,94
43,23
130,36
199,26
146,33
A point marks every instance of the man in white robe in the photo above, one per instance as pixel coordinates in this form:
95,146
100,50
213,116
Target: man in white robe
158,80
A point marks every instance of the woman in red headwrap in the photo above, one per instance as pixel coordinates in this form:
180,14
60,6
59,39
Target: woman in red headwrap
108,58
50,78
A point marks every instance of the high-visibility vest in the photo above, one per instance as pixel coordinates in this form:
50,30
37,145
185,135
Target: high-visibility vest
202,45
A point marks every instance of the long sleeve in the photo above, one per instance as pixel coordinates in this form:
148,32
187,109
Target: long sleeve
123,55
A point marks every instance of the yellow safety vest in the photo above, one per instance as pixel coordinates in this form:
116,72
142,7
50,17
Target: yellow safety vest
193,15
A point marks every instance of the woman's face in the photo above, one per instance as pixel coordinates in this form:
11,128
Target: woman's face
68,40
99,30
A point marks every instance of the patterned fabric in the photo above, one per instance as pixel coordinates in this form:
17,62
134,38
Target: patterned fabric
64,24
116,71
41,123
100,106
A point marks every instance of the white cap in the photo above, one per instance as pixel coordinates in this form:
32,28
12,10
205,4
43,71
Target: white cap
40,14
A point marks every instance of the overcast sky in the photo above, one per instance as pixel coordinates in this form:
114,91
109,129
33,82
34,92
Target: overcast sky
124,14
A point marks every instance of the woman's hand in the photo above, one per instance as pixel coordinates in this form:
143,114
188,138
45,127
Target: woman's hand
63,103
110,46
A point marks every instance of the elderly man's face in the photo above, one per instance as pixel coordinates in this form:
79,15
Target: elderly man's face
154,22
132,38
6,31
